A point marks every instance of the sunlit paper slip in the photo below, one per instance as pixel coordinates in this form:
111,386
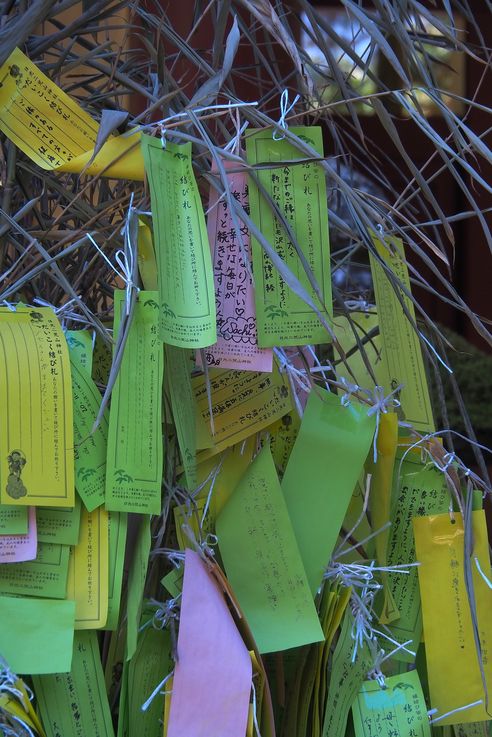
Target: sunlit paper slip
54,131
36,425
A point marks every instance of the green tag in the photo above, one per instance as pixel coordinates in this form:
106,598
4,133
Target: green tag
13,520
149,666
90,447
123,722
173,581
344,680
37,634
397,710
401,352
58,525
299,191
136,585
185,276
418,491
117,527
325,463
262,561
80,346
135,445
178,380
45,577
75,703
101,361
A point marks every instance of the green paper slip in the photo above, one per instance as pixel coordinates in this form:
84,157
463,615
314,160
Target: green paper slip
46,576
101,360
117,529
59,525
398,710
149,666
173,581
13,520
344,680
75,704
80,347
418,491
178,380
135,445
262,561
401,352
185,277
36,634
325,464
299,191
123,721
136,585
90,447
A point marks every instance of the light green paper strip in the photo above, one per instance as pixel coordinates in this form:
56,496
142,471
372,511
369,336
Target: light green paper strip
397,710
135,445
299,190
46,576
150,664
173,581
117,529
136,585
262,561
418,491
401,351
325,464
13,520
185,276
75,703
344,680
59,525
80,346
178,380
36,635
90,447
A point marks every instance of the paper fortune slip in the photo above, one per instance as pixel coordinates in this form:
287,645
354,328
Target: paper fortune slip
36,426
54,131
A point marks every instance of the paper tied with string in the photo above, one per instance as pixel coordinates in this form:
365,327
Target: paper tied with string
56,133
456,605
237,343
292,264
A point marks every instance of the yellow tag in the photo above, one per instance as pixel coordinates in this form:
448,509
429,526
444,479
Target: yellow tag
401,352
452,663
167,705
54,131
380,499
89,571
147,264
36,424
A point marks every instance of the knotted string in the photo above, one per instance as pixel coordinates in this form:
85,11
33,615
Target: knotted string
381,405
285,109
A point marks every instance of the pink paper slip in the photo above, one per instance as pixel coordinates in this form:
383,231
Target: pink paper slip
212,678
236,346
19,548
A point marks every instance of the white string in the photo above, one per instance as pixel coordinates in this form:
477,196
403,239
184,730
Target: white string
255,719
285,109
156,690
453,711
381,406
479,568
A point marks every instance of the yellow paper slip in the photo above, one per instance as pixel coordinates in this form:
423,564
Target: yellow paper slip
88,573
36,425
452,662
54,131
